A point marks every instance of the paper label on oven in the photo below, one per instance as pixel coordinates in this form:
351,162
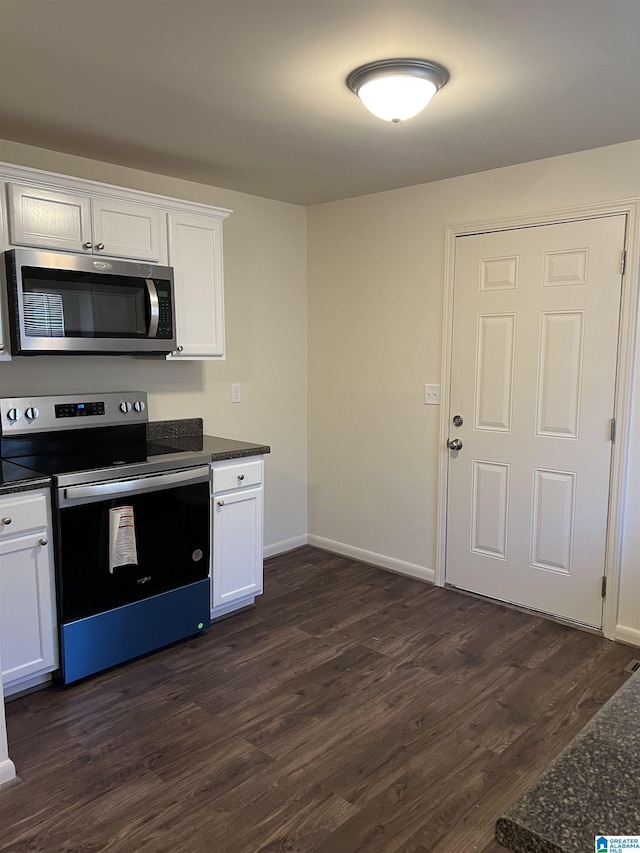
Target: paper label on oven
122,538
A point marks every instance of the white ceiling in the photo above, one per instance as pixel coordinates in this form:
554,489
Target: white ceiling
251,94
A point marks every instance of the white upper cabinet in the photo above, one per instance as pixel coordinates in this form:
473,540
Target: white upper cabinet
4,331
195,253
48,219
72,222
128,230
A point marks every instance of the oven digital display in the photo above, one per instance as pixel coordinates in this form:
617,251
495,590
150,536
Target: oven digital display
79,410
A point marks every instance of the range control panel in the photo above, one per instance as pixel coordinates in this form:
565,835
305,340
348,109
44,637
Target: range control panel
79,410
25,415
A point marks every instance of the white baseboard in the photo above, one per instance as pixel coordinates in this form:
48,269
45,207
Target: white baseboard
400,567
223,610
26,685
285,545
7,771
628,635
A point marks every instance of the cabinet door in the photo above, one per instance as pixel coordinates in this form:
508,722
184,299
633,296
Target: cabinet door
237,546
125,230
195,253
27,611
4,329
48,219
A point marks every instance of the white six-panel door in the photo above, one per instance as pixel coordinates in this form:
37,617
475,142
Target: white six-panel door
535,334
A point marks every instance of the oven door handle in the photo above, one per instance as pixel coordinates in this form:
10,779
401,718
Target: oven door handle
137,486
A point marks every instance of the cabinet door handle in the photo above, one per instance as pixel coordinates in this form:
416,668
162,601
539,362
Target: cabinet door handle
6,520
241,476
99,246
220,503
87,245
43,541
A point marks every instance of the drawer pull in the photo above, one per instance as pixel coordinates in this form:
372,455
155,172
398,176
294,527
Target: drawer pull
241,476
6,520
43,541
220,503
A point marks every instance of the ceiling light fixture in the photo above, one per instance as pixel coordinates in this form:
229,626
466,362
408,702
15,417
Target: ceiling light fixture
397,89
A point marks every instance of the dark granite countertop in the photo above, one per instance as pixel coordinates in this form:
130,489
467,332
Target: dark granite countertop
187,435
592,788
216,448
15,478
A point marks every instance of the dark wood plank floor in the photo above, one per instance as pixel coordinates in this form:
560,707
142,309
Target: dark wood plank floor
351,710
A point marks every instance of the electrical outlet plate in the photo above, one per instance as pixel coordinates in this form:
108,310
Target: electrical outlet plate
236,392
432,395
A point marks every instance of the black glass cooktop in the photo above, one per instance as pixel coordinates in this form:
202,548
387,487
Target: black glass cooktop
83,450
108,457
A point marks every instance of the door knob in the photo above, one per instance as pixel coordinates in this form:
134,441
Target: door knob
6,521
220,503
42,541
454,444
99,246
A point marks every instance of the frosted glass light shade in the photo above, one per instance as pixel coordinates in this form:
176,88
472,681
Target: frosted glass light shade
397,89
396,98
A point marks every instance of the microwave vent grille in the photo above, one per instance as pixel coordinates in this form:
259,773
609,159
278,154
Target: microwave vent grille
43,315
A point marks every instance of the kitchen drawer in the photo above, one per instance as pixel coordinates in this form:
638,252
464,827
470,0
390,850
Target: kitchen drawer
22,513
238,475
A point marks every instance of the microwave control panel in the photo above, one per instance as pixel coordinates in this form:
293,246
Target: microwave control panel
165,311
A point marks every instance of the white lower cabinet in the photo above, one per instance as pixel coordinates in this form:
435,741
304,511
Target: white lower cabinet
28,644
237,523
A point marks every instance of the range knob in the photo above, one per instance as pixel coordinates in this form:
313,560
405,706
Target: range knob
139,406
32,413
14,414
125,407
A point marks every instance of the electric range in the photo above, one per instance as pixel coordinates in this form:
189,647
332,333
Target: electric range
131,524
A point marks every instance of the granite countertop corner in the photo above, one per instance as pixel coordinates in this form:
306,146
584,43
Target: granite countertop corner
592,788
14,478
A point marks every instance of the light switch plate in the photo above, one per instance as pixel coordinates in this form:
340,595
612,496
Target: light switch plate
432,395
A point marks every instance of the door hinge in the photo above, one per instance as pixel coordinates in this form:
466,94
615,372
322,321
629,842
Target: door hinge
623,261
612,433
604,586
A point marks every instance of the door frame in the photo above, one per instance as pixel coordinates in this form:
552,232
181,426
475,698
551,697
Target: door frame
629,312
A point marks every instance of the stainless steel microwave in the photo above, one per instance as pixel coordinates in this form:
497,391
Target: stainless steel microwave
61,304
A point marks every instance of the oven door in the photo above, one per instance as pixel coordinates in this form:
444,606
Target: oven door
64,303
132,568
125,540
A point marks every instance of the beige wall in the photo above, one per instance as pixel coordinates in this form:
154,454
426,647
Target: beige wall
376,273
266,310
